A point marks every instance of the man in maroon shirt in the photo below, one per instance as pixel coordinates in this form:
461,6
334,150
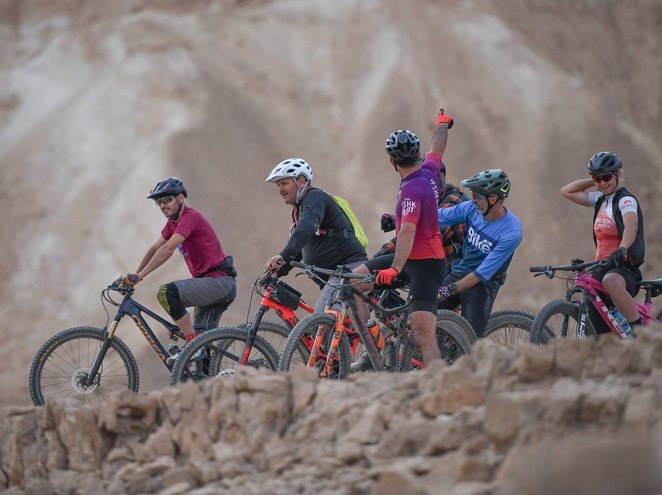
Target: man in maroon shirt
213,282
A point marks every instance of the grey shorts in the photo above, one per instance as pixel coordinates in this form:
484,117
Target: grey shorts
331,286
206,291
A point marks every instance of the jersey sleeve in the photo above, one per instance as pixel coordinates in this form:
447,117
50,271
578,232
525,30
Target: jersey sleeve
593,197
627,204
501,253
455,214
432,162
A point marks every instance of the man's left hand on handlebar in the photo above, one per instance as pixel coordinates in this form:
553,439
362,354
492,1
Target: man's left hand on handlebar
131,279
275,263
385,277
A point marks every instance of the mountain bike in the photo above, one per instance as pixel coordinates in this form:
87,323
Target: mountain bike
331,353
228,346
232,347
89,363
569,318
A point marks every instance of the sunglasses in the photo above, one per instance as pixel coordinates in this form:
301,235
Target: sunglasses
164,200
603,178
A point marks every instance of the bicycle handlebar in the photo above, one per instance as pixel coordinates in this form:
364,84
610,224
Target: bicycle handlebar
339,272
575,266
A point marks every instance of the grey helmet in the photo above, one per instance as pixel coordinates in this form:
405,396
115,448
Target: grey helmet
293,168
172,186
403,146
487,182
604,162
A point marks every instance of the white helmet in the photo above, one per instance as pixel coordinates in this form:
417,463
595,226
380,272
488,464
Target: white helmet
292,167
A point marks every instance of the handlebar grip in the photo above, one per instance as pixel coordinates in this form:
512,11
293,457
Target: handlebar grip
297,264
538,269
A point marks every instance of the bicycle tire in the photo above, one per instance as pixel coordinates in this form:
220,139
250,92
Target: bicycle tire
549,323
509,327
454,338
218,344
308,326
62,362
277,334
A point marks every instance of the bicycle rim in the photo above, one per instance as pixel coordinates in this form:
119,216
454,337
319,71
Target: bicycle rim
307,329
221,354
61,367
454,338
559,319
277,334
509,327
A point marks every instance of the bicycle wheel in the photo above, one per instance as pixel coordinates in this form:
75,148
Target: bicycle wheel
307,329
509,327
63,363
558,319
454,338
276,334
221,353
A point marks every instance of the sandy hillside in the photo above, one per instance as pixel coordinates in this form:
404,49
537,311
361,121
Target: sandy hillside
98,100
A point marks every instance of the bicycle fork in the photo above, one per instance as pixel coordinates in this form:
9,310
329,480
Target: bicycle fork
320,339
91,377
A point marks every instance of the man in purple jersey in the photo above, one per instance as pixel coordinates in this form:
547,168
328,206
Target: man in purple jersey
213,282
419,255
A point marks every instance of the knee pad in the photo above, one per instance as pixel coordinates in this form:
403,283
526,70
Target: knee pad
168,297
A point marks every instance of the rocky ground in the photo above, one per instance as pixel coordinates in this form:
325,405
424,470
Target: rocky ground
573,417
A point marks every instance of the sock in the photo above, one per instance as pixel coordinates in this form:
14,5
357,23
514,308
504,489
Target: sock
189,338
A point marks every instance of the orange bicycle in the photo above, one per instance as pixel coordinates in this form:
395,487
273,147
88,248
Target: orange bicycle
331,352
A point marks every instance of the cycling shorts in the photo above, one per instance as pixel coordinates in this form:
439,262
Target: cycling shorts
424,278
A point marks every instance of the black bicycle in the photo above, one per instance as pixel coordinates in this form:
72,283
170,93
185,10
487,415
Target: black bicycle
331,352
89,363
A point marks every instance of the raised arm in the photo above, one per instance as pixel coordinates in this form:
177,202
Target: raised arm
440,136
577,191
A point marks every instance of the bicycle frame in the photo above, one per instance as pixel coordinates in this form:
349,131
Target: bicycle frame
591,289
592,292
346,291
135,310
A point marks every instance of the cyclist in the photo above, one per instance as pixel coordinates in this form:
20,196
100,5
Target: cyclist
321,234
493,234
618,233
186,229
452,236
419,255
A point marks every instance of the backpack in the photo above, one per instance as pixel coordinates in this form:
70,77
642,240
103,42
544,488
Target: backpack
353,219
357,229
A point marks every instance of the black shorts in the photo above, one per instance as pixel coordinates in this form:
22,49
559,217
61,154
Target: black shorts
631,275
423,276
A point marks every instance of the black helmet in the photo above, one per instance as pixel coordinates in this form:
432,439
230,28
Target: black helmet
403,146
603,162
494,181
171,186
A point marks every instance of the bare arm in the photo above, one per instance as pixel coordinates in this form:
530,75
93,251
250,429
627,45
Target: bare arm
160,254
150,253
404,244
439,139
577,191
466,282
631,224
